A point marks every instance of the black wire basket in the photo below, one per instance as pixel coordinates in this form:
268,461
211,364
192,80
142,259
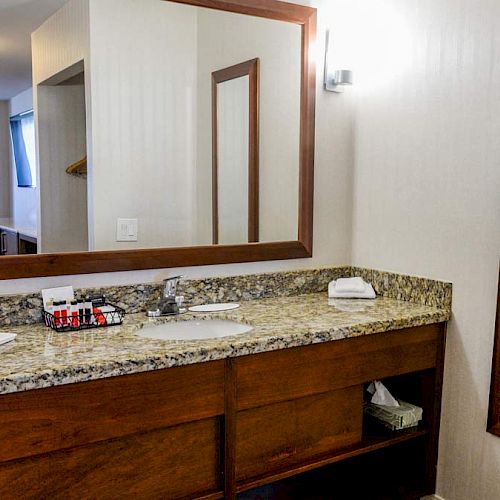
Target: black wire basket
83,321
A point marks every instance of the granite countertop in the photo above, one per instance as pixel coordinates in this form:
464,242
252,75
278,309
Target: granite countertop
41,358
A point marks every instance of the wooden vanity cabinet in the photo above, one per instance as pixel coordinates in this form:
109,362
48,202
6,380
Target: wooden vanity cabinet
215,429
151,435
305,404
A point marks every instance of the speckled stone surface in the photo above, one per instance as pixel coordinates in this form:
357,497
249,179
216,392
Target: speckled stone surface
41,358
25,309
410,288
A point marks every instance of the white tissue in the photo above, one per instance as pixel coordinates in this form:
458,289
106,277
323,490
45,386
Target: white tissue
381,395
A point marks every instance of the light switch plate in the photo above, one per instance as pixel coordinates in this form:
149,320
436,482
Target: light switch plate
126,229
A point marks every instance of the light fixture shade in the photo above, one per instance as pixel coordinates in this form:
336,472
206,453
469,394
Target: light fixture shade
343,77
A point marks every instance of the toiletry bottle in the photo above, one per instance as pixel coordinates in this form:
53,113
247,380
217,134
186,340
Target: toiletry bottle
87,305
99,316
68,312
99,301
57,313
75,321
110,315
81,310
65,309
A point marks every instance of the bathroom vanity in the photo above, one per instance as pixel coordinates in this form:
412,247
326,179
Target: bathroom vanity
213,418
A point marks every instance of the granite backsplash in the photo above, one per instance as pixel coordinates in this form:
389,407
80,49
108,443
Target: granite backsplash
26,308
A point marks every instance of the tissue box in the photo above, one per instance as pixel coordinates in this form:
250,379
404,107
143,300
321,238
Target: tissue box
395,417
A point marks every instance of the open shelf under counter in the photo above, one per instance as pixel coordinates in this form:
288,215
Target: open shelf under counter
373,439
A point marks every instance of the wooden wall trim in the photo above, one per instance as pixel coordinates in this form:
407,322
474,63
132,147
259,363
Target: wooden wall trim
24,266
307,134
270,9
29,266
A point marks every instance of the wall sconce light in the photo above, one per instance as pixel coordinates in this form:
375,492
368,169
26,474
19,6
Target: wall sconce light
335,79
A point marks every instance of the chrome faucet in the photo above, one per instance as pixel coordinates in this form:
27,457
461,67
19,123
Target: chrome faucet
170,290
168,303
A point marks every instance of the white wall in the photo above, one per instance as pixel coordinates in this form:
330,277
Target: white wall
5,161
427,194
24,200
226,39
61,41
143,58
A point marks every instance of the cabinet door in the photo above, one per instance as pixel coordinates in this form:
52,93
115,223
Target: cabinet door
289,434
176,462
153,435
9,242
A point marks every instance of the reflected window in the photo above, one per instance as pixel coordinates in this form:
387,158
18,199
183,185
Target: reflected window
22,129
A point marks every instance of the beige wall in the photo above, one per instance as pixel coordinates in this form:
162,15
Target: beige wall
427,196
5,165
143,64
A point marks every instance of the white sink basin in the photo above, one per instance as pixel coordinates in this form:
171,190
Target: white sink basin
194,330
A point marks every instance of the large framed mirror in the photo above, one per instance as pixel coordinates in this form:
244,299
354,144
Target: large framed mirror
132,170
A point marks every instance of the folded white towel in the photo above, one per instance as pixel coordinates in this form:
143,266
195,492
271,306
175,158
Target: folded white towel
368,293
346,285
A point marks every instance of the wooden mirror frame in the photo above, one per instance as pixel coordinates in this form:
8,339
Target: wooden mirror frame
494,409
250,69
12,267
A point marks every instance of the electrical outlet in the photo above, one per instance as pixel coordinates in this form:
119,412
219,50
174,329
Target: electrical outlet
126,229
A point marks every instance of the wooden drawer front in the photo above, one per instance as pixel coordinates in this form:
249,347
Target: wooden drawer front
271,438
291,373
168,463
44,420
